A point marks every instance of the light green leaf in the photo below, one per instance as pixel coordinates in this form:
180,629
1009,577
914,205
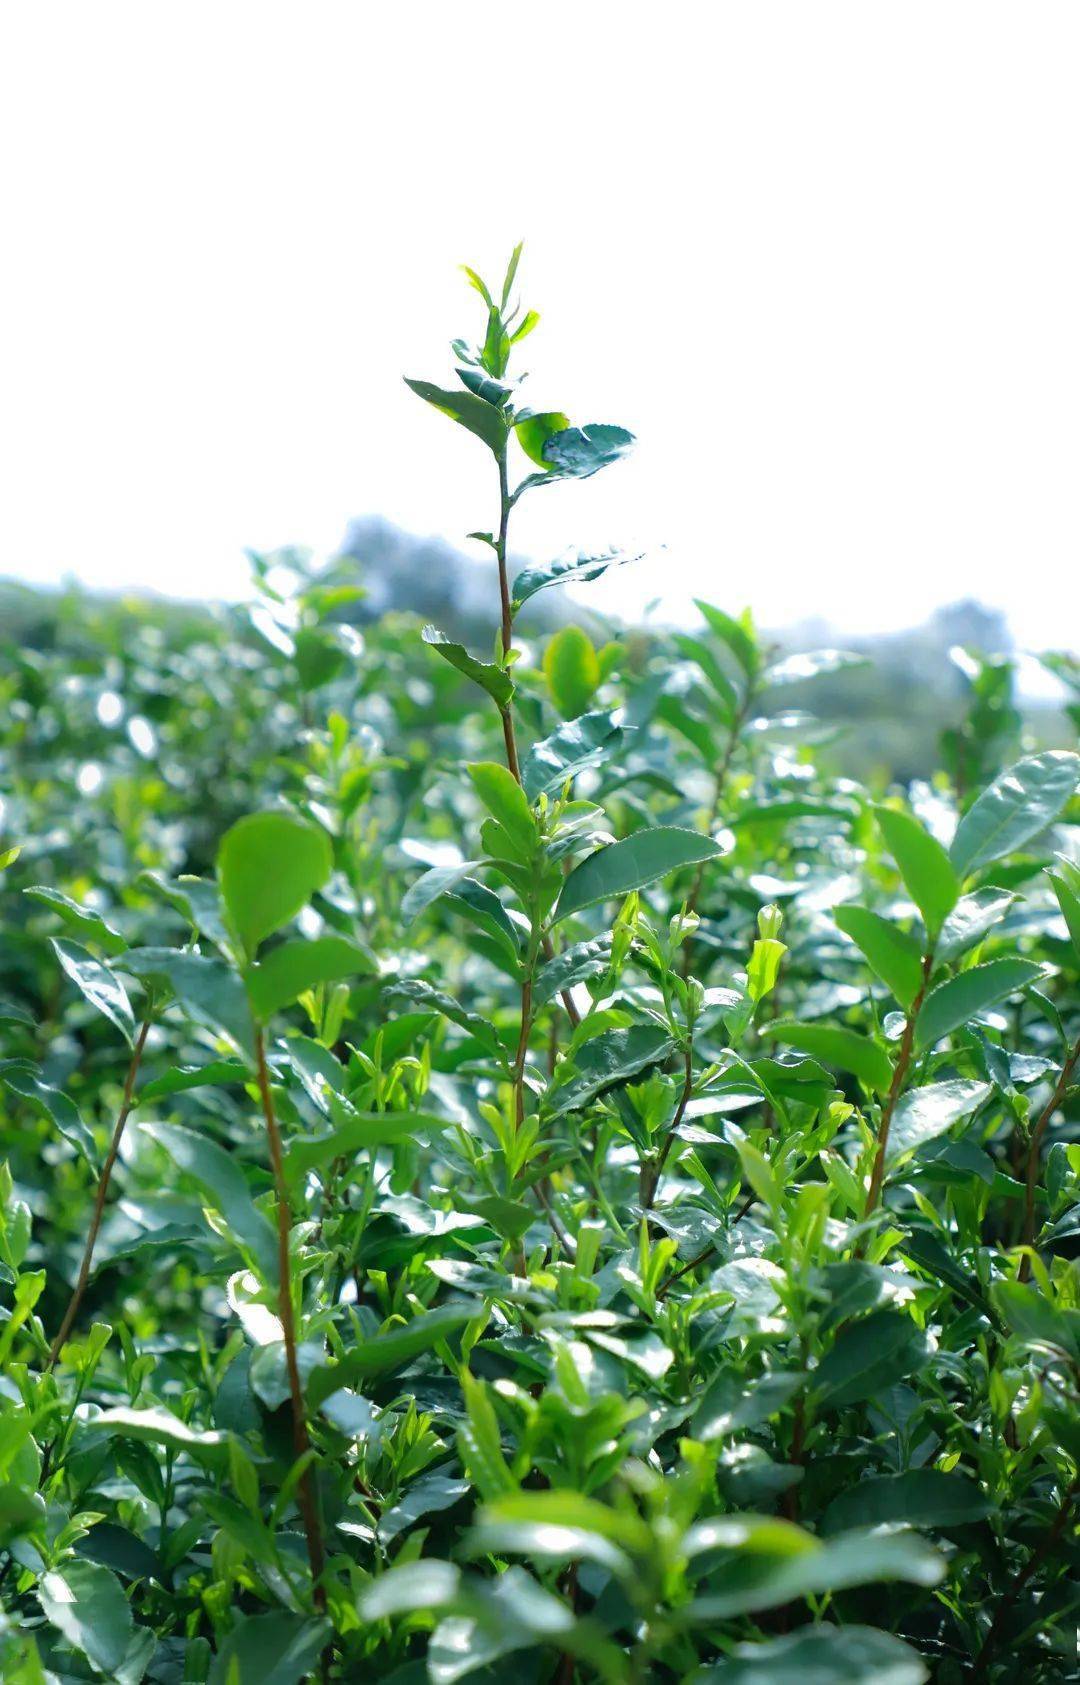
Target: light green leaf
506,801
837,1046
923,865
1068,895
87,1604
923,1113
892,954
740,641
572,670
960,999
287,971
1014,809
634,863
533,433
223,1187
85,920
98,985
495,680
269,866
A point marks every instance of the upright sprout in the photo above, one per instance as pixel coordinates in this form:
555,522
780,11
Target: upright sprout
487,406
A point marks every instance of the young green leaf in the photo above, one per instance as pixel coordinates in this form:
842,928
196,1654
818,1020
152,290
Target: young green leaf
495,680
572,671
891,953
837,1046
923,864
269,867
287,971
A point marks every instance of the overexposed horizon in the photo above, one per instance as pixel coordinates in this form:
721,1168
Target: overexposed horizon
821,260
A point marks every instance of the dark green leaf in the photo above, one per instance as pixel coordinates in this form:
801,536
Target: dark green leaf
820,1655
916,1498
960,999
87,1604
573,569
633,864
274,1649
1015,808
486,420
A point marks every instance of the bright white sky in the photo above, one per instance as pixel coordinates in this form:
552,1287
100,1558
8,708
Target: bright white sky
823,258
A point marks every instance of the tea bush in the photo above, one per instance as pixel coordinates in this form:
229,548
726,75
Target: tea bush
513,1170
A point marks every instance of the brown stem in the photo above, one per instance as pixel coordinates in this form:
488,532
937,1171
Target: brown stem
1032,1565
651,1173
301,1443
1031,1173
899,1077
99,1199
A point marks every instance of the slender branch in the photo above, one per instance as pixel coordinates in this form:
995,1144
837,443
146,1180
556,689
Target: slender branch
1033,1564
1031,1172
99,1199
899,1077
305,1491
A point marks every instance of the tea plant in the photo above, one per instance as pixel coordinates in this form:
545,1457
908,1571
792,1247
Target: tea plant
513,1169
